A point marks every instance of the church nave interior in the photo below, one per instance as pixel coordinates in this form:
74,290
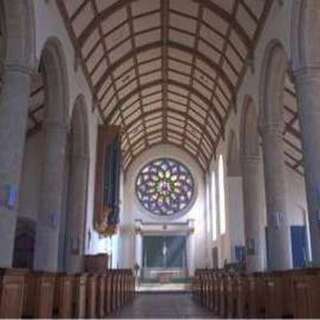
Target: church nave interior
159,158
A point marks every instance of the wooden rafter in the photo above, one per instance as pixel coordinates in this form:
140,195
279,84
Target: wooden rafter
184,97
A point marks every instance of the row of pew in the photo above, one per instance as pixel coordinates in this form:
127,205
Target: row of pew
26,294
283,294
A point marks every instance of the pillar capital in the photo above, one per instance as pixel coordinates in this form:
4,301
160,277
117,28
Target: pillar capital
306,74
271,127
14,66
56,125
250,159
80,156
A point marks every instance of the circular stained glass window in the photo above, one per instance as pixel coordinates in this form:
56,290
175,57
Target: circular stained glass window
165,187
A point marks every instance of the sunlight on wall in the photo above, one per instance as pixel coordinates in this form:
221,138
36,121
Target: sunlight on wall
213,199
208,209
222,201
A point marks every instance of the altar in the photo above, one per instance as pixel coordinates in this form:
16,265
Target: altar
164,257
164,251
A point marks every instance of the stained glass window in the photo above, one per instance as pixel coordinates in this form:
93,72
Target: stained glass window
165,187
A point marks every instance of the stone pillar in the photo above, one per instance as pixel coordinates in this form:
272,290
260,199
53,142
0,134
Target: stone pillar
51,197
278,230
308,91
14,104
76,213
253,222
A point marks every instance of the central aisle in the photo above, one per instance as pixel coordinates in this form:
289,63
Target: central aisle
163,305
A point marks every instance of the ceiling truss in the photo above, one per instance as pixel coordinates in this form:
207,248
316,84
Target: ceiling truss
166,71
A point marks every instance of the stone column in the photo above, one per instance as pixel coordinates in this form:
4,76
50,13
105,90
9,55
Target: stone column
51,197
14,102
278,230
308,91
253,222
76,212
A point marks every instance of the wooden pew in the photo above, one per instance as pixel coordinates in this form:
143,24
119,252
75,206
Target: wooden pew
211,291
118,279
223,296
12,283
101,291
63,296
231,284
212,297
49,295
242,308
114,291
108,293
216,293
281,294
256,295
306,289
91,296
80,292
39,295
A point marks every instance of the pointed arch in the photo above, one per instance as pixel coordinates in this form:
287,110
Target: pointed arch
273,73
79,127
53,65
249,136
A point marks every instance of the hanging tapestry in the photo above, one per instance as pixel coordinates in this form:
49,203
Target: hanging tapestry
107,186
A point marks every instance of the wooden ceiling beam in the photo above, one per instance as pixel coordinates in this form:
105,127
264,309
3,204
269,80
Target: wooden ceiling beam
191,142
296,133
296,170
122,101
169,143
186,116
164,5
292,145
193,63
171,44
222,59
99,27
136,67
229,18
105,14
99,18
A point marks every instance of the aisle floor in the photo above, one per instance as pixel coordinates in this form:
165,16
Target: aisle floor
163,306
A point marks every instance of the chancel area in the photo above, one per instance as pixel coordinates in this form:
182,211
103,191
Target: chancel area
159,158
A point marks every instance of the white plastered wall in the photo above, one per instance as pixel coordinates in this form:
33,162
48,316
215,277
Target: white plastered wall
197,256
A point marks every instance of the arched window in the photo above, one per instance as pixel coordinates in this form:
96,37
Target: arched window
165,187
222,200
213,199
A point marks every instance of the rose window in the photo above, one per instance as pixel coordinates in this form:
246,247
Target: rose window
165,187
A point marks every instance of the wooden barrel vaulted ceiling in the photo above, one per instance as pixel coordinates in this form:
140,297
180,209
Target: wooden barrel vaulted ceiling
167,71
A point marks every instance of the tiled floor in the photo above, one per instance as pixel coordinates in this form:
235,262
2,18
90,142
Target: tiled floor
163,306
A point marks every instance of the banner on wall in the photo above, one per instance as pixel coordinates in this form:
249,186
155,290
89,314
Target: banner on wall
107,183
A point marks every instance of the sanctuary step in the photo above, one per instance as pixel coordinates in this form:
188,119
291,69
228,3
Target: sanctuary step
282,294
163,287
27,294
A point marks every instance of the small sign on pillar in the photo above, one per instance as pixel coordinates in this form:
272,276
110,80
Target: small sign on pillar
8,197
54,219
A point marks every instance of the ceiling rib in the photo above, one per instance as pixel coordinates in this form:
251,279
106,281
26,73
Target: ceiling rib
167,65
